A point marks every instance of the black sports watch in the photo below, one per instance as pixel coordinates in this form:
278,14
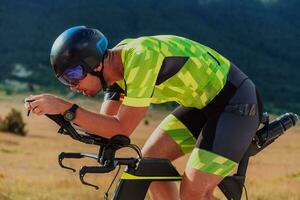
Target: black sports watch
69,114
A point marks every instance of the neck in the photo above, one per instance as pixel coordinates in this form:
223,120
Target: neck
113,67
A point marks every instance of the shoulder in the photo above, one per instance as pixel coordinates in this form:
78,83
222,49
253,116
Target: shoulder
143,43
140,50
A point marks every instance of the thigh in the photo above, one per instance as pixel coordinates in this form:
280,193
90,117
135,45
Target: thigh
233,135
161,145
234,132
226,137
176,135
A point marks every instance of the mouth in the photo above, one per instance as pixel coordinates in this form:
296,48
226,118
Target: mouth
84,93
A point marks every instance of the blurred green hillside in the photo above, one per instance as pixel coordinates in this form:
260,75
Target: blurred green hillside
262,37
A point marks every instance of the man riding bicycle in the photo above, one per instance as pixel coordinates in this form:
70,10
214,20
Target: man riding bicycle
217,116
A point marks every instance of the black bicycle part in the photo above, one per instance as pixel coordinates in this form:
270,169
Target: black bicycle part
141,172
147,170
107,191
106,155
273,130
66,128
95,170
64,155
232,186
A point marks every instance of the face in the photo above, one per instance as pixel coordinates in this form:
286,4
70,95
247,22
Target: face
89,86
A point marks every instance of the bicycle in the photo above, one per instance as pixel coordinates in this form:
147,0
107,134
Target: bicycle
140,171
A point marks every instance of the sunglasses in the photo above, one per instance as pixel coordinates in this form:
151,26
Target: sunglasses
72,76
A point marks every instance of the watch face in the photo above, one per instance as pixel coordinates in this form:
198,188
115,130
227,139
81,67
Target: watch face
69,116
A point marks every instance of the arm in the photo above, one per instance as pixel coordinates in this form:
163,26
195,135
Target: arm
115,119
124,122
110,107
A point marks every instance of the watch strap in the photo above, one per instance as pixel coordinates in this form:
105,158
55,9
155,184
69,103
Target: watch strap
73,108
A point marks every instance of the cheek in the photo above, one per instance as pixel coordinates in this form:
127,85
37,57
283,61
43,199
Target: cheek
84,83
96,83
91,83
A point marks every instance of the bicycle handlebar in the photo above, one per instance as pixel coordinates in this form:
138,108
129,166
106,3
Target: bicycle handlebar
66,128
106,155
271,131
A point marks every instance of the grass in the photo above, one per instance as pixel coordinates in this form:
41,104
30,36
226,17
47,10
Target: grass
29,168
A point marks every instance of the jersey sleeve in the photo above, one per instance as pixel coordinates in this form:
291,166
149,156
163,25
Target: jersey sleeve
140,74
114,92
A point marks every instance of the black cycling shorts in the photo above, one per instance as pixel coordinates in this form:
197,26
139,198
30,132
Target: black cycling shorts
219,134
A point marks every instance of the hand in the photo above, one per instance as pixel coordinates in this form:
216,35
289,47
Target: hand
47,104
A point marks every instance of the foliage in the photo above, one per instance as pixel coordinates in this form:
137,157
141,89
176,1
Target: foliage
261,37
13,123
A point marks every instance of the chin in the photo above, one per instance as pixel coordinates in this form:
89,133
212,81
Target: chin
92,94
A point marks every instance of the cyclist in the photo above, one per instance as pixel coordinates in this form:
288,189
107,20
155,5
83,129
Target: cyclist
217,116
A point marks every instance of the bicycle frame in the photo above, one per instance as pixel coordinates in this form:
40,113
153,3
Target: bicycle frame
140,172
134,182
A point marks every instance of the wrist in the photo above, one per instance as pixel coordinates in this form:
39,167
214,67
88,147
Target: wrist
64,106
70,114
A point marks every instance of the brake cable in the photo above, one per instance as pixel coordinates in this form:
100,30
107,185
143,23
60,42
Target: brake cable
246,193
106,193
138,151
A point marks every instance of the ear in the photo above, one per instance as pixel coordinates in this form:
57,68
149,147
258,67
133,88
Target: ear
98,68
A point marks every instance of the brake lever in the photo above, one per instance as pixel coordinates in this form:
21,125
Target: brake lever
95,170
64,155
28,101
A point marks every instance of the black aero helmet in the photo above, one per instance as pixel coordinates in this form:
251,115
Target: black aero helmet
79,45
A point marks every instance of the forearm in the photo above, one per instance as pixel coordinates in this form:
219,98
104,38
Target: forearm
124,121
99,124
96,123
107,125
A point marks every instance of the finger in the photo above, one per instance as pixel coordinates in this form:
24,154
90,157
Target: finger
36,97
27,99
36,110
40,112
30,97
35,103
27,106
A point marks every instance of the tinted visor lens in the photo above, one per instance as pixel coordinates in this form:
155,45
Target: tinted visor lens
72,76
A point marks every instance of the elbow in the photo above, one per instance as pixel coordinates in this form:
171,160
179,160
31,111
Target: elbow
124,128
126,131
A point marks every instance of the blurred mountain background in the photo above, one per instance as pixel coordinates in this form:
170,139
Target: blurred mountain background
262,37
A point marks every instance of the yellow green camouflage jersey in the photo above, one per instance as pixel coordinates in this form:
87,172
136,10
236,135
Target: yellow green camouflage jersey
166,68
